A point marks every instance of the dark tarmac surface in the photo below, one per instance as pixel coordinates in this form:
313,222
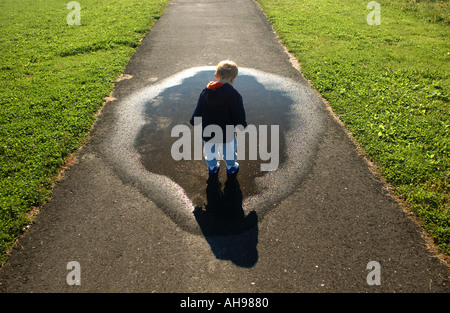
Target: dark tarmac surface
312,225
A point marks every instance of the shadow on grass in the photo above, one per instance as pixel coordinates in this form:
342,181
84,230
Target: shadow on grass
231,234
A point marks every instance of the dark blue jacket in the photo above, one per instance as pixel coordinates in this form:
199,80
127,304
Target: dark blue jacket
220,104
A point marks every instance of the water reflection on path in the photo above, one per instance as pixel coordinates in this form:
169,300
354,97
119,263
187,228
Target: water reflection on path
139,145
175,106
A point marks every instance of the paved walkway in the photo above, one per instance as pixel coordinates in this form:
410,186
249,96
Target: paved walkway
318,239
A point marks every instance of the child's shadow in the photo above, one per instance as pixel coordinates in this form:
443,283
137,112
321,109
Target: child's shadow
231,235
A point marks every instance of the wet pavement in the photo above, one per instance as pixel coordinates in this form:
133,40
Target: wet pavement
174,105
140,146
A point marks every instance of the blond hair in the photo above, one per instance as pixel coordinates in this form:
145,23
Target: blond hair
227,69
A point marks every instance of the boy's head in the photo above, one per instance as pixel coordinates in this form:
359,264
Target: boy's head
226,70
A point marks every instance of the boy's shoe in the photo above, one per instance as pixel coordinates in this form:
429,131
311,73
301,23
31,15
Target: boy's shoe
214,170
234,169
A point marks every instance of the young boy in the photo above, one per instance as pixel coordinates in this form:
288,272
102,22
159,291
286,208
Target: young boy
220,104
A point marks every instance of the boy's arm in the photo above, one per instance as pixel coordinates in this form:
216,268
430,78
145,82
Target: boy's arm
238,112
198,109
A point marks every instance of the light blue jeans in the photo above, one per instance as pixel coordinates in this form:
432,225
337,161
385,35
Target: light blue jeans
212,153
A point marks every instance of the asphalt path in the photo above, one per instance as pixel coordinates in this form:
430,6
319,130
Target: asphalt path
315,226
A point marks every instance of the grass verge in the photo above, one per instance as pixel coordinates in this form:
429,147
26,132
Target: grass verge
54,78
388,83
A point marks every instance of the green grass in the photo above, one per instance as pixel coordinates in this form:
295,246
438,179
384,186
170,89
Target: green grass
389,84
53,79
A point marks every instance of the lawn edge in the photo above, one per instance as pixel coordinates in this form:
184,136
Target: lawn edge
373,167
71,159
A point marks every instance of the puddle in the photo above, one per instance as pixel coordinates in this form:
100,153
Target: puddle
175,105
140,145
